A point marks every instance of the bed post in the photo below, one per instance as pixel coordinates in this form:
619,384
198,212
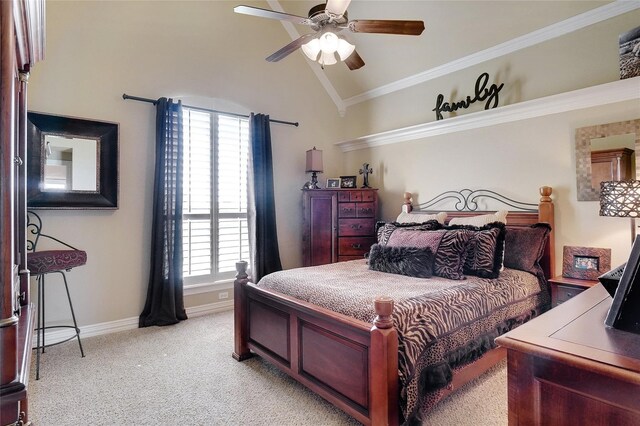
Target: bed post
241,332
407,206
546,214
383,366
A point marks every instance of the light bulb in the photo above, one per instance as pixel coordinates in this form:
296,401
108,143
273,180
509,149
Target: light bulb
312,49
328,42
345,49
327,58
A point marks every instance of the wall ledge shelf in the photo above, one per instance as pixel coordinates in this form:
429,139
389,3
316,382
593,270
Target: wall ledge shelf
603,94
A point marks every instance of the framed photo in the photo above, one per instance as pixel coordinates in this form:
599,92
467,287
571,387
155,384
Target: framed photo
333,183
585,263
624,313
347,181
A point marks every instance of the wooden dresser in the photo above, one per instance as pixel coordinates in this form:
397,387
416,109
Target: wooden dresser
566,368
21,46
339,224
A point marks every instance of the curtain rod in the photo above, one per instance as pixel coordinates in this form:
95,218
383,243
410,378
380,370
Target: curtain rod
153,101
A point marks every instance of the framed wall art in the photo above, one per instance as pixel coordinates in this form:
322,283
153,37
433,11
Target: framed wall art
585,263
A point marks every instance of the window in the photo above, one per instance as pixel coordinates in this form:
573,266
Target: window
215,235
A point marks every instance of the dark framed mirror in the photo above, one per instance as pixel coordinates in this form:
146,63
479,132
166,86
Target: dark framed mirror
72,163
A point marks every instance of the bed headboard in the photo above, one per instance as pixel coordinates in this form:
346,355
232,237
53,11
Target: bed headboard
466,203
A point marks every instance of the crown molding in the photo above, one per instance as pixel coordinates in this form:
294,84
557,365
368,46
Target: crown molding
608,93
539,36
558,29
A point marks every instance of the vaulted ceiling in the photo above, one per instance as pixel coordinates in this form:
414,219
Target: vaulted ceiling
457,34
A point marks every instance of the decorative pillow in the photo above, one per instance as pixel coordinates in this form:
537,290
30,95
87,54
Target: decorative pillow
384,230
421,217
481,220
524,247
411,261
485,251
449,246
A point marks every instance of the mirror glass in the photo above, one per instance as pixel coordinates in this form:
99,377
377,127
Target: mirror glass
605,152
71,164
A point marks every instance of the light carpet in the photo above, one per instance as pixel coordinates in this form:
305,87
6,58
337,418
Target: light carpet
184,374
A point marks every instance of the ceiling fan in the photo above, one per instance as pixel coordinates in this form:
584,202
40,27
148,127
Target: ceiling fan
327,20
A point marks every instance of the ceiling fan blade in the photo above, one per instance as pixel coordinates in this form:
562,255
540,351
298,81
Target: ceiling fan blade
337,7
271,14
387,27
354,61
289,48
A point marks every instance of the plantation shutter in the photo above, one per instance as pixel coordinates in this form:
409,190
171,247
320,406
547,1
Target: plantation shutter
215,232
233,151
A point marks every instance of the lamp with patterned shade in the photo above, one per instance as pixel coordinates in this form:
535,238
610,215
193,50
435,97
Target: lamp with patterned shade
621,199
314,165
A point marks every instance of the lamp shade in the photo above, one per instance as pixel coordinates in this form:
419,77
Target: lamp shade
620,198
345,49
311,49
314,160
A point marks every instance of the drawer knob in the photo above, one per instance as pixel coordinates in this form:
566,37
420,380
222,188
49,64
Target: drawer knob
356,246
356,226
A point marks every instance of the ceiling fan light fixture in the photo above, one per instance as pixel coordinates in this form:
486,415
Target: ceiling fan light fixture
328,42
312,49
327,59
345,49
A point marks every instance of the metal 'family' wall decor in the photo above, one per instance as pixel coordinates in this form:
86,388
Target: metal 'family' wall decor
491,95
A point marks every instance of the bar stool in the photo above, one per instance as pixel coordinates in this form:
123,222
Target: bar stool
41,263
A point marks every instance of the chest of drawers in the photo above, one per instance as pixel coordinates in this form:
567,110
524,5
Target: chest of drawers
339,224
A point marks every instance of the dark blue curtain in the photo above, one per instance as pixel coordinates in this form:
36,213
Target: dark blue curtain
266,252
165,303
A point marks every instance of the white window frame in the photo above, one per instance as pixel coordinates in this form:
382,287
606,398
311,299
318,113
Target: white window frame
215,280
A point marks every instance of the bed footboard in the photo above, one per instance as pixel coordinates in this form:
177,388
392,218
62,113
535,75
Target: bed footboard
350,363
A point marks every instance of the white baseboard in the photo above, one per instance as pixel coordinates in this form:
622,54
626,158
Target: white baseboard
55,336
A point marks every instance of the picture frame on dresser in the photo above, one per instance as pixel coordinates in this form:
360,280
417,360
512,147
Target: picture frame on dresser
348,182
333,183
585,263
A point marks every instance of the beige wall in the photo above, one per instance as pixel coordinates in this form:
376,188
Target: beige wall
514,158
196,50
96,51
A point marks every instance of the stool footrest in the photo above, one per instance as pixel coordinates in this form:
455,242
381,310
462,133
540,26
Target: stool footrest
73,336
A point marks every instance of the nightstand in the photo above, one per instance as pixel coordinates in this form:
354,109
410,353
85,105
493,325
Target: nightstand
563,289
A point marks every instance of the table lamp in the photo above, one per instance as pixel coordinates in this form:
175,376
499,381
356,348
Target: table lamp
621,199
314,165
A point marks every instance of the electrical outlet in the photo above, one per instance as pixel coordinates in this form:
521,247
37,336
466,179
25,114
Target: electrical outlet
223,295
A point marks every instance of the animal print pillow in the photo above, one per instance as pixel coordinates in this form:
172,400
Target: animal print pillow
485,251
449,246
384,230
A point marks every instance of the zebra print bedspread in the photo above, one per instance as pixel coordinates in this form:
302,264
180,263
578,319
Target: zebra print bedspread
442,324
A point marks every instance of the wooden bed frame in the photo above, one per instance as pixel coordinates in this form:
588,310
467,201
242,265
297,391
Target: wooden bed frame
351,363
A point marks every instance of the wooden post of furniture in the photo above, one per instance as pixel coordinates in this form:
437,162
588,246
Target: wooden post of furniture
546,214
241,348
383,366
407,206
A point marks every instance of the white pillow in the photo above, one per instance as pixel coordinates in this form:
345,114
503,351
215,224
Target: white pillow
481,220
421,217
